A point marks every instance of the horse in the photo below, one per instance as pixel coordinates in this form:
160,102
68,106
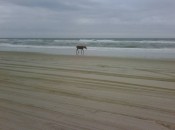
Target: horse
82,47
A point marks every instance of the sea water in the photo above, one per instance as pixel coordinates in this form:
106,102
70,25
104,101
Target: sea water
117,47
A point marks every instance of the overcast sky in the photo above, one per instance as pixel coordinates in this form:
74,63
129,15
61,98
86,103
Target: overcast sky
87,18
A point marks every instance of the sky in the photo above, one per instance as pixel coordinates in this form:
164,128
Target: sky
87,18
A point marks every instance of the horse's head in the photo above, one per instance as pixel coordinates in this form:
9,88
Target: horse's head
85,47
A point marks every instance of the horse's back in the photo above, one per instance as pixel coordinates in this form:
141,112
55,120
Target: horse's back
80,47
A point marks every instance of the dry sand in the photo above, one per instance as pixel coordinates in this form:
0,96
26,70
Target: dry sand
54,92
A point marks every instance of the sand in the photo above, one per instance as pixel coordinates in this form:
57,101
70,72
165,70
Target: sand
56,92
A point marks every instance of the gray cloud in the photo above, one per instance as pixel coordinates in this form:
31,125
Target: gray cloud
87,18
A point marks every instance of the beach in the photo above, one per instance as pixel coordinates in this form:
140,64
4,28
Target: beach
78,92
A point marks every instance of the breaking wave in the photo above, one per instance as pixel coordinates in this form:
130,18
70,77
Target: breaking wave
111,43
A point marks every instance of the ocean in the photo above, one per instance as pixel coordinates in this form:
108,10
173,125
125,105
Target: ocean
119,47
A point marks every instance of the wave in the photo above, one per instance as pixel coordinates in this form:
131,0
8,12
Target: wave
114,43
129,41
32,46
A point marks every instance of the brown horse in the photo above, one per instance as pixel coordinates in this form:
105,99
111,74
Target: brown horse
81,47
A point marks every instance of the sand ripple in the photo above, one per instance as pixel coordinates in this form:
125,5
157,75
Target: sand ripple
49,92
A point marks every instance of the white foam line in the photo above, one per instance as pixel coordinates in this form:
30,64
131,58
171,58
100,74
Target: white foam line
32,46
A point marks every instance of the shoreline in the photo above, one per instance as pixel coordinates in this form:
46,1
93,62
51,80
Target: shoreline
87,56
48,91
164,53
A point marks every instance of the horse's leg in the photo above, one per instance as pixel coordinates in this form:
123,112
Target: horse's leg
77,51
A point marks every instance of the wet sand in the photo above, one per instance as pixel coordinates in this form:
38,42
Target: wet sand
56,92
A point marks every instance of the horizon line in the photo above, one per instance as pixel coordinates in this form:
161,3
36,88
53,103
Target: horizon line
87,38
